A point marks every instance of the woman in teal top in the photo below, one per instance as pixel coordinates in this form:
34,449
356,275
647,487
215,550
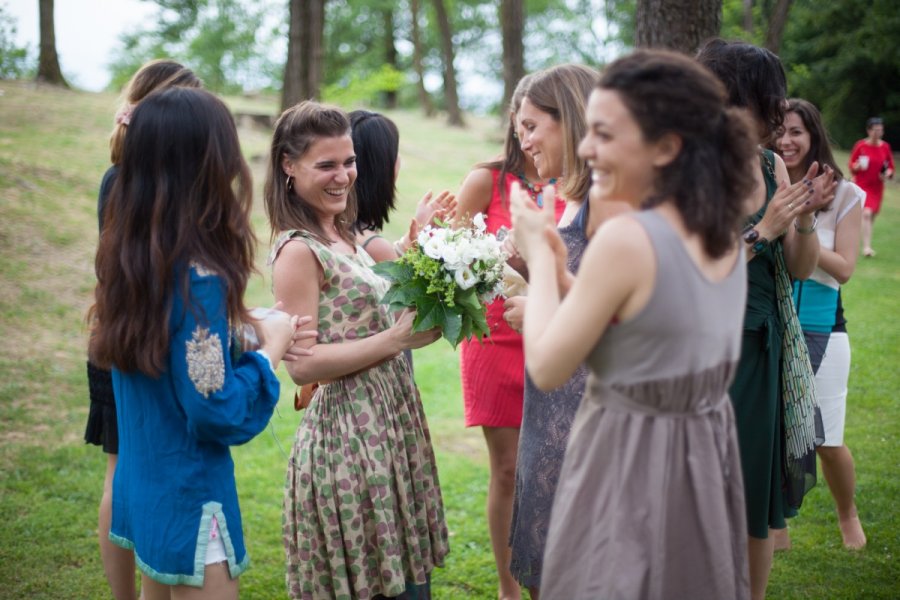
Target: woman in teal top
172,266
818,299
782,222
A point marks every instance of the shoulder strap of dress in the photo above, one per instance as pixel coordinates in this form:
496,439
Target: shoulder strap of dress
289,235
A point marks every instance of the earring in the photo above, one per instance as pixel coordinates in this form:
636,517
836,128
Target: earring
288,183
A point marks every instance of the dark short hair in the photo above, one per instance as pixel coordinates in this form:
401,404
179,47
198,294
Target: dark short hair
376,142
753,76
874,121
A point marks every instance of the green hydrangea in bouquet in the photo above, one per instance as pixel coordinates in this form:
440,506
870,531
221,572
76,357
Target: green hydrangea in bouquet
448,276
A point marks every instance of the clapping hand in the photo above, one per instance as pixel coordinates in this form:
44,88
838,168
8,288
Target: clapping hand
530,222
431,208
792,200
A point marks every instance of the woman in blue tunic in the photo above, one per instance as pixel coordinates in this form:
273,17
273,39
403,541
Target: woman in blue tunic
173,263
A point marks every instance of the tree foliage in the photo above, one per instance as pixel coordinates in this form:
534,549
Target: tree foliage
852,71
16,61
223,41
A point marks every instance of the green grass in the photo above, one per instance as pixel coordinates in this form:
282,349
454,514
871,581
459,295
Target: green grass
53,150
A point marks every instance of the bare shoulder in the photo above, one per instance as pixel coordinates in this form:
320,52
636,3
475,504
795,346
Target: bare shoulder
378,248
475,193
621,245
295,259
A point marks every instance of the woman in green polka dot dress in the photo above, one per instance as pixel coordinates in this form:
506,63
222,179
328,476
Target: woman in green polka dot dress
363,516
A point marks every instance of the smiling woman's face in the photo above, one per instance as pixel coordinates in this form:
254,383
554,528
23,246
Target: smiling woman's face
623,165
793,141
324,175
541,137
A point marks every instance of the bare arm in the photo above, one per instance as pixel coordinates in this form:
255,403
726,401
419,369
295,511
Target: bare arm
560,334
475,195
298,279
376,246
840,262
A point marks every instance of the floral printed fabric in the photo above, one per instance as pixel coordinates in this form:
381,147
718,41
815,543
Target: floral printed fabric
363,513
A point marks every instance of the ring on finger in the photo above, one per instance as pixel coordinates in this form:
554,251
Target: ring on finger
791,205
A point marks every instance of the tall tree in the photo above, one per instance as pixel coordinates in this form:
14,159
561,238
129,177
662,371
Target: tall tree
748,17
48,61
454,114
777,21
512,24
390,52
303,69
676,24
424,97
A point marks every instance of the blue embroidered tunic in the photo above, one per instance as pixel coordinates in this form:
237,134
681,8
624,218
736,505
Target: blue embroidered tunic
175,470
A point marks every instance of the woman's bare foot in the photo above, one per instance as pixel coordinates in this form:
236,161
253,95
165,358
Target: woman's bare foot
852,532
781,539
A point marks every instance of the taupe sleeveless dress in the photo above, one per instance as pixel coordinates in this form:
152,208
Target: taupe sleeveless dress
650,502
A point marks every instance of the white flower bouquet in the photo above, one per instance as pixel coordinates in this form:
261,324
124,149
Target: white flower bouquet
448,276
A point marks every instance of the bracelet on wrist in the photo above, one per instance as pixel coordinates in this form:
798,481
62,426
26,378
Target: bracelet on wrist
806,230
756,242
401,245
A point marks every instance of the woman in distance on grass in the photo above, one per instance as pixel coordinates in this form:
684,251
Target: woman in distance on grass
102,429
649,502
363,515
802,141
172,266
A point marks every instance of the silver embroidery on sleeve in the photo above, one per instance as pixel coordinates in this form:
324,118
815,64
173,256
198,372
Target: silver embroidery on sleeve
206,362
202,271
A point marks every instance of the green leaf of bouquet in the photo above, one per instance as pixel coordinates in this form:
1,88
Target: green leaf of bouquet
466,329
468,299
452,328
394,270
430,313
405,293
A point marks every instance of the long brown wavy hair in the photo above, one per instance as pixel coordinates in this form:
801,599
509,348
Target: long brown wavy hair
182,196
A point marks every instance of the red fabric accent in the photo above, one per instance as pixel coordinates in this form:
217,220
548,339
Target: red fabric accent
869,179
493,372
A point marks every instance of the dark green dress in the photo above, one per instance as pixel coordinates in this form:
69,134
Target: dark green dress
756,391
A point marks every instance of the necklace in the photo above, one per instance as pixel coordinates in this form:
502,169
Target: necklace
535,190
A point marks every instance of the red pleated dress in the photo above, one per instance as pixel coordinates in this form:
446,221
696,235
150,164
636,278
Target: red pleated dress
493,371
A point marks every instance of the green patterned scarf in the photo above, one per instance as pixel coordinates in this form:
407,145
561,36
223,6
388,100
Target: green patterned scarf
803,429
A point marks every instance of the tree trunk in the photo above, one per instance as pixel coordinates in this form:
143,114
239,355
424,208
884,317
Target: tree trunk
748,17
777,22
681,25
424,98
390,54
48,61
454,114
303,69
512,23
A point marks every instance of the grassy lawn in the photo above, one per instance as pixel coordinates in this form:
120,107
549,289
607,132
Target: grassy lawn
53,151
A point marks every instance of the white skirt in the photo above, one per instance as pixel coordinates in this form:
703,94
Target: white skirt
831,387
